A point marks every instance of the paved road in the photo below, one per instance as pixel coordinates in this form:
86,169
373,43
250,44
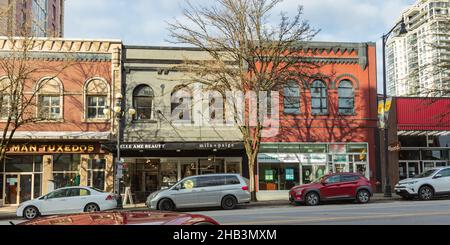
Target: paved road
393,213
380,213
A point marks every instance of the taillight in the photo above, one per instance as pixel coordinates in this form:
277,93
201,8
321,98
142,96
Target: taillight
245,188
109,198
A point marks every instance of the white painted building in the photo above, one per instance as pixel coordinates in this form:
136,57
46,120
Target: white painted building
415,60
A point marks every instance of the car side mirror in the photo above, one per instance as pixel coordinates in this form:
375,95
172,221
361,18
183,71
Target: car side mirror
46,198
437,176
324,182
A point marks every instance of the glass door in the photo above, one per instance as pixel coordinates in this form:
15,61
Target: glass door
11,189
413,169
307,174
25,191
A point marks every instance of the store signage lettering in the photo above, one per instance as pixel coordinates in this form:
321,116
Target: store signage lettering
216,145
142,146
51,148
293,158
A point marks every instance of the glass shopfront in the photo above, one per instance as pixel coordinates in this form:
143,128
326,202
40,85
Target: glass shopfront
282,166
145,176
421,153
20,179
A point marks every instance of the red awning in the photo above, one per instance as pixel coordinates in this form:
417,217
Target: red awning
423,114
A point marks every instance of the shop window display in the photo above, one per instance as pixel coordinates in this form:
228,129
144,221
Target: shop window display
169,174
37,185
96,173
188,169
276,176
211,166
233,168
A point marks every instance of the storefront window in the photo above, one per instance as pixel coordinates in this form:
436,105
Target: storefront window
413,141
37,185
169,174
233,168
66,170
439,141
65,180
409,155
289,149
435,155
19,164
278,176
211,166
269,148
338,149
313,148
96,173
38,164
68,162
357,148
188,168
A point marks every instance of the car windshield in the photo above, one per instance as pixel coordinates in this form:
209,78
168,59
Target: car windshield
425,174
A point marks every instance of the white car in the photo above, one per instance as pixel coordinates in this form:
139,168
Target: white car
434,182
68,200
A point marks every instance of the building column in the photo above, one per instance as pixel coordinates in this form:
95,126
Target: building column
109,173
47,173
84,165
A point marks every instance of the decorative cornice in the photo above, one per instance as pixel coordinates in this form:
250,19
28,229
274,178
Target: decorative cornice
60,45
52,56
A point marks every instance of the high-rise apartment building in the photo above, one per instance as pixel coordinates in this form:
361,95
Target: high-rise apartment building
418,62
40,18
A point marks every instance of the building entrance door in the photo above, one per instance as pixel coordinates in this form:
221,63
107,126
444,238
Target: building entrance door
18,188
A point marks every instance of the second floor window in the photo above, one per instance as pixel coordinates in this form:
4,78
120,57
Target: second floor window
5,106
96,106
346,98
96,92
143,102
181,104
50,107
319,98
50,99
292,98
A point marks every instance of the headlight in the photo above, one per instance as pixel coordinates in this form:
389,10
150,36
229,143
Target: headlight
410,183
299,191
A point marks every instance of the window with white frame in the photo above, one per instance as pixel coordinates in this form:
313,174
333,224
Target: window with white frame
143,97
96,92
50,99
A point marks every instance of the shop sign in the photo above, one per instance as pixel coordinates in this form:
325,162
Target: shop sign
183,146
340,158
278,158
50,148
395,147
142,146
314,158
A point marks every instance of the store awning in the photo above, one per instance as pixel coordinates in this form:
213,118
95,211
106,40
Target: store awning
423,114
424,133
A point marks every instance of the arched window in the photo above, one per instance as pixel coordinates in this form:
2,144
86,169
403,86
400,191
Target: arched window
346,97
319,98
50,96
143,96
5,98
216,103
292,98
96,97
181,104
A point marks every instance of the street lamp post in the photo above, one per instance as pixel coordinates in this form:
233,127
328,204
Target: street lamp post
119,114
403,30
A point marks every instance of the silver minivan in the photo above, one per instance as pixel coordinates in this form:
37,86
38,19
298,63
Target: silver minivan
215,190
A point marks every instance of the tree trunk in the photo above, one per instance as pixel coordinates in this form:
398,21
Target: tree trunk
251,171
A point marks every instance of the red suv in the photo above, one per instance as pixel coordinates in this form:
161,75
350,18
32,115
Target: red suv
342,186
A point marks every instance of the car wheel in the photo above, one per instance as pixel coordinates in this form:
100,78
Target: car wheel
229,202
30,213
166,205
312,199
363,196
426,193
91,208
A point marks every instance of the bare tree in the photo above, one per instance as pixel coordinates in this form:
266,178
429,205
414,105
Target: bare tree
247,53
20,86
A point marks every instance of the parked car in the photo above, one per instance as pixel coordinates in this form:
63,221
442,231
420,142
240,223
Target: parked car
217,190
431,183
66,201
125,218
342,186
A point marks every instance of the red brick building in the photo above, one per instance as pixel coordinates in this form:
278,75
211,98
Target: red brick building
328,122
73,83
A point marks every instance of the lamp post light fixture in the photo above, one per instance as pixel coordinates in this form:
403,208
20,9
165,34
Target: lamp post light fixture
402,31
119,115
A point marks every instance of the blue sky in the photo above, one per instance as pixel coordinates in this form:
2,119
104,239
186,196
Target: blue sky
143,22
